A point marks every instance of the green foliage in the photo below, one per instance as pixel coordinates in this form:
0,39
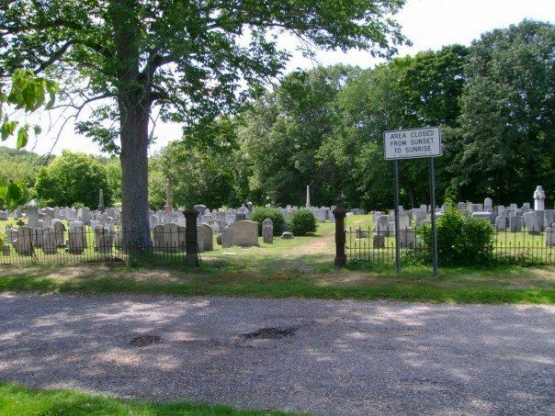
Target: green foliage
302,222
507,115
73,179
275,214
284,132
13,194
27,92
461,241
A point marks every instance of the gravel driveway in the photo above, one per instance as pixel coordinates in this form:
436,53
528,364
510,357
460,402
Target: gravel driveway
323,357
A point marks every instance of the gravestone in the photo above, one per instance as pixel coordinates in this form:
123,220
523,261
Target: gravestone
85,215
550,237
378,241
380,226
245,233
182,237
158,237
501,223
515,223
488,204
207,237
3,215
32,210
75,245
80,227
407,238
171,238
242,213
548,217
23,244
539,199
268,231
533,221
227,237
59,230
152,221
49,243
105,244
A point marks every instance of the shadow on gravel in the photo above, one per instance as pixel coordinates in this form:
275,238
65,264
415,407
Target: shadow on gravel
324,357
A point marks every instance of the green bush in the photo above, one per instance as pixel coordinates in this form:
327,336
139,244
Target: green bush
460,241
275,214
302,222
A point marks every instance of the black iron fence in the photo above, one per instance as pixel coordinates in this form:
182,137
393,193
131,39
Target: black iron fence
84,245
509,247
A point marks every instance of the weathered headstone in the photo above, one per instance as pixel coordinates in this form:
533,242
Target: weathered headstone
533,221
207,237
159,238
59,230
50,245
227,237
245,233
75,237
515,223
550,237
171,238
378,241
24,243
501,223
407,237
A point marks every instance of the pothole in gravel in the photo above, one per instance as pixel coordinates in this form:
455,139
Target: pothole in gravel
271,333
145,340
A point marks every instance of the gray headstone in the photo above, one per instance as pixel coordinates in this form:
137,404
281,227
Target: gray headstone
227,237
245,233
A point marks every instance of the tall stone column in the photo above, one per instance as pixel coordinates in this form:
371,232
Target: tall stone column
340,213
191,241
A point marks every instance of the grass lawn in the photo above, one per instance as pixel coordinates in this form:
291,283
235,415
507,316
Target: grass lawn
299,267
19,401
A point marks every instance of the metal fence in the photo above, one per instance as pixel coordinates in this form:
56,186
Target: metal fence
509,247
167,248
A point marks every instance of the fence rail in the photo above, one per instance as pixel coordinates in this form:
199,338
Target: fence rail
168,248
521,246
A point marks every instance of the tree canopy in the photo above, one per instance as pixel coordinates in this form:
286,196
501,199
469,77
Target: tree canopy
73,179
191,60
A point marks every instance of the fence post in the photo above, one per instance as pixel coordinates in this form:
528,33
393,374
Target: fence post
191,243
340,214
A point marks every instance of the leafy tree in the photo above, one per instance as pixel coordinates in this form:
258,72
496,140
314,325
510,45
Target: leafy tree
404,93
284,132
198,175
73,179
189,58
507,114
20,165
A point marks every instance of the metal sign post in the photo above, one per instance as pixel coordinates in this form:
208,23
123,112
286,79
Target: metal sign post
396,202
410,144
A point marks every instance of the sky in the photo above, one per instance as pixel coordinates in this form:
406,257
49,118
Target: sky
429,24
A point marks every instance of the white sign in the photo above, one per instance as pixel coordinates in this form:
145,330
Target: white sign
412,143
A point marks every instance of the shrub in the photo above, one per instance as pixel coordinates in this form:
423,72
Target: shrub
302,222
275,214
460,241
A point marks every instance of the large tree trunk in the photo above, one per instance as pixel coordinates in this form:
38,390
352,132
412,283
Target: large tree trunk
134,107
134,165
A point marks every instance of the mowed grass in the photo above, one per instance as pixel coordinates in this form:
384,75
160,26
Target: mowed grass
19,401
299,267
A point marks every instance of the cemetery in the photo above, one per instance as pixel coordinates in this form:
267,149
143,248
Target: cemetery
66,235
